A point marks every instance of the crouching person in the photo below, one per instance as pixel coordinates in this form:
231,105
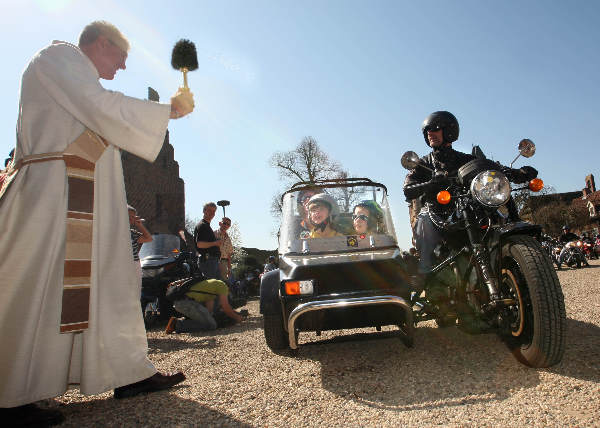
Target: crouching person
198,307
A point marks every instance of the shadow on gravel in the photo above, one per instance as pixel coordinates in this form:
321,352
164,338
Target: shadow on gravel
152,410
582,356
173,343
446,367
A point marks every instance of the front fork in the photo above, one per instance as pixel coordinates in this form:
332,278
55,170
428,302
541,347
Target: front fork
483,263
481,255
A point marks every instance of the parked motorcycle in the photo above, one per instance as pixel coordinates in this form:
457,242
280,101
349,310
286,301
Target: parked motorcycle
596,250
587,248
162,262
491,273
552,246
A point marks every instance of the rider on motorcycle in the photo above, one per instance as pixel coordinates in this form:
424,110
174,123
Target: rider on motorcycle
566,237
440,130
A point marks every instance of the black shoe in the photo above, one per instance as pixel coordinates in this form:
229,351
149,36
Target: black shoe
154,383
30,415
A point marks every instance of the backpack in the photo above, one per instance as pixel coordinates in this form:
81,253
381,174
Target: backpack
177,290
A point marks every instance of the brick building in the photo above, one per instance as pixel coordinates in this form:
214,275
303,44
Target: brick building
155,189
587,200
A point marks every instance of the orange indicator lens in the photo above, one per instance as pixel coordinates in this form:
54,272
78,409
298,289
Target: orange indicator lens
536,184
292,287
444,197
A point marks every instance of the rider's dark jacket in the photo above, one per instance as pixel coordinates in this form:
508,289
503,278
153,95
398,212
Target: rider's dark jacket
417,183
568,237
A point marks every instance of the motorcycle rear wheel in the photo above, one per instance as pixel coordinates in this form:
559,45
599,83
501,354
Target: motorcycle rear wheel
537,329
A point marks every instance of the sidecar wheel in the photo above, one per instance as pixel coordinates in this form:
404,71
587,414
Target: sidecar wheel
275,335
537,330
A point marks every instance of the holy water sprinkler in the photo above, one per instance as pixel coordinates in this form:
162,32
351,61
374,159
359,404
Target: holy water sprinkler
184,58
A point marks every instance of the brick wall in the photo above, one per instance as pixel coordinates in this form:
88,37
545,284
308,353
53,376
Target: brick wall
156,190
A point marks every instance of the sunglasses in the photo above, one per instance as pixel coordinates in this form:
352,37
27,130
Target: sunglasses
226,223
360,216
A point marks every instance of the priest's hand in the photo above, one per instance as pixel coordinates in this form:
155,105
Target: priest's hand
182,103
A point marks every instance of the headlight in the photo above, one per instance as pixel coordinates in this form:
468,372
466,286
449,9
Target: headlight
151,273
491,188
298,287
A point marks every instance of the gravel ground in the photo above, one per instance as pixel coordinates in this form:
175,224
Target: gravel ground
364,378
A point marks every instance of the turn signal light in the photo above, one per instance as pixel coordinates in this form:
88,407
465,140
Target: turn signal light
444,197
299,287
292,287
536,184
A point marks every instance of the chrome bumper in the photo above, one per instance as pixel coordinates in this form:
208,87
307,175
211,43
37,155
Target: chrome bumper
347,302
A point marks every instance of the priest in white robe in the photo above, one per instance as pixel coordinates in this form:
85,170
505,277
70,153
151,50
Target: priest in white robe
60,97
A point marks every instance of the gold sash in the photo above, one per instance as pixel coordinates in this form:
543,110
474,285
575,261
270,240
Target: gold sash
80,159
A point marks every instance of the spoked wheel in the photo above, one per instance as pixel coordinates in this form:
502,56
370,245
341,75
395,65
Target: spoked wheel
536,326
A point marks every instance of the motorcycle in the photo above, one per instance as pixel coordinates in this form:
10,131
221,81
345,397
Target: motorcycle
491,273
552,247
162,262
597,247
573,255
588,250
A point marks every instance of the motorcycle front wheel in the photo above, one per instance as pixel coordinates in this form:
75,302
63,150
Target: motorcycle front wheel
537,323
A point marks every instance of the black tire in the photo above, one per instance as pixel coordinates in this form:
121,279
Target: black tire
275,335
538,329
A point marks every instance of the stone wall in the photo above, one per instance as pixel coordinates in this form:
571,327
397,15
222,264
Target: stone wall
156,190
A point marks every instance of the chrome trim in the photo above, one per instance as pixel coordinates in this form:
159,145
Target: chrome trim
353,301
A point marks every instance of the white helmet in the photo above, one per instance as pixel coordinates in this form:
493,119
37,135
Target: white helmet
326,199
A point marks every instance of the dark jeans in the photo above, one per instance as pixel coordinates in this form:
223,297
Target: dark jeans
209,267
427,237
198,317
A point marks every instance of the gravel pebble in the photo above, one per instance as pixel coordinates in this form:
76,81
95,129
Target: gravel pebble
363,378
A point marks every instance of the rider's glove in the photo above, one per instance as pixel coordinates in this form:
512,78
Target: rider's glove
529,172
521,175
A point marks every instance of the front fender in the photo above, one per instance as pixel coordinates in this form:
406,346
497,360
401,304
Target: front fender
519,228
499,235
269,293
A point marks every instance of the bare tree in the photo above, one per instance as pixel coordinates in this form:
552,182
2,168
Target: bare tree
307,162
346,196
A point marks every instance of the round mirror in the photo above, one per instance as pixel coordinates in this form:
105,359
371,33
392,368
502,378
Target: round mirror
410,160
526,148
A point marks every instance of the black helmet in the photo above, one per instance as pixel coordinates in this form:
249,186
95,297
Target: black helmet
443,120
565,227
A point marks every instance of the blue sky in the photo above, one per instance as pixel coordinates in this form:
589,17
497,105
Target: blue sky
358,76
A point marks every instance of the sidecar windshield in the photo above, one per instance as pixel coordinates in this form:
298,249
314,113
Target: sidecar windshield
360,220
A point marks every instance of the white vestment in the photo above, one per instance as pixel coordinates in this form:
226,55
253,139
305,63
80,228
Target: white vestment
60,97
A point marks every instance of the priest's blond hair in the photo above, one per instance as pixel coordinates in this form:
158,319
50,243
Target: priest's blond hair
91,32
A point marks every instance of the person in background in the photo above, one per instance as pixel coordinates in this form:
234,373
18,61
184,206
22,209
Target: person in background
139,235
226,249
270,265
69,190
199,306
303,227
209,247
566,237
